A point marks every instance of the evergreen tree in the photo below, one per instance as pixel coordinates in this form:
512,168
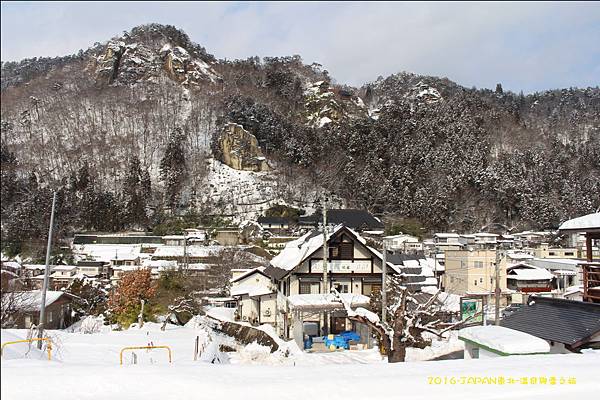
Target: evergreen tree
134,196
173,169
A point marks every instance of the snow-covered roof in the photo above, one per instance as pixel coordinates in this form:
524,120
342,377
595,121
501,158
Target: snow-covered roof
525,272
173,237
514,255
435,264
504,340
63,267
159,263
297,250
484,234
584,223
108,252
191,251
308,301
247,273
34,266
11,264
447,235
32,300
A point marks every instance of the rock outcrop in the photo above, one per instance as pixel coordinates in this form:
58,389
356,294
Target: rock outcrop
240,150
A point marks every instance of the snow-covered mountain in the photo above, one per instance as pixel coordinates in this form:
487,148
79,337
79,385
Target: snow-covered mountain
406,146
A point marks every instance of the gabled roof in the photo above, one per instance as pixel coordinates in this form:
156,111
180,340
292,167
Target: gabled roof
296,251
526,272
246,274
32,300
352,218
569,322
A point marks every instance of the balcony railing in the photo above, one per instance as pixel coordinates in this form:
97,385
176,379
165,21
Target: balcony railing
591,281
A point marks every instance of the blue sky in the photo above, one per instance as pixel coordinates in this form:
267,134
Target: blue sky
525,46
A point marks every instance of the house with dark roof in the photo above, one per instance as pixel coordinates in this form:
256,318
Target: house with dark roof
358,220
275,224
567,325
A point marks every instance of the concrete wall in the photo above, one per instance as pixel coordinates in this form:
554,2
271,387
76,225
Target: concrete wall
472,271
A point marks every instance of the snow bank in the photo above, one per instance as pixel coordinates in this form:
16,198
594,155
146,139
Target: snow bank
89,325
221,313
505,340
20,350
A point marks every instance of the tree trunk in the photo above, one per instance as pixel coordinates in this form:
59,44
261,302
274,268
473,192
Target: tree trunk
398,352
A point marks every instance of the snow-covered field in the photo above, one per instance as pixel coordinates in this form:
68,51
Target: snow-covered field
86,366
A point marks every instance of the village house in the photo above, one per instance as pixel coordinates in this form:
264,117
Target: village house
354,270
358,220
62,276
256,296
275,225
404,243
527,278
27,306
545,251
447,241
94,269
484,240
473,272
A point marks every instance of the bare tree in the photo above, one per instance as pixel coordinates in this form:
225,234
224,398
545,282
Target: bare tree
408,317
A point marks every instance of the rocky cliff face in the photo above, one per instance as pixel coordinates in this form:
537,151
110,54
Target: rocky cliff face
130,62
240,150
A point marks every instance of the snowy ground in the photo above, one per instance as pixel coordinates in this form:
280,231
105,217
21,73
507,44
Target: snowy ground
87,367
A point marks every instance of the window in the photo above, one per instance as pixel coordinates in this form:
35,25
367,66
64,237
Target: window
478,264
342,251
369,288
342,287
569,253
304,287
480,280
347,251
475,282
551,253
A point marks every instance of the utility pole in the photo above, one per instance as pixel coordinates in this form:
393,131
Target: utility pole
46,276
384,282
497,291
185,266
325,256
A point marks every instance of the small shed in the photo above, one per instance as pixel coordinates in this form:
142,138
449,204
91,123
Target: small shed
496,341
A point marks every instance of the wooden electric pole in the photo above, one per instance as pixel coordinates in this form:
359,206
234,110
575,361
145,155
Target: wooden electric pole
46,276
497,291
325,256
384,282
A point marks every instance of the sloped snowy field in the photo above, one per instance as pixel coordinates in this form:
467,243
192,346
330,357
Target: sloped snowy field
87,367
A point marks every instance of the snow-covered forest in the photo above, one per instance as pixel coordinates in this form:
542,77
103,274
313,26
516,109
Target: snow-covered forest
126,128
